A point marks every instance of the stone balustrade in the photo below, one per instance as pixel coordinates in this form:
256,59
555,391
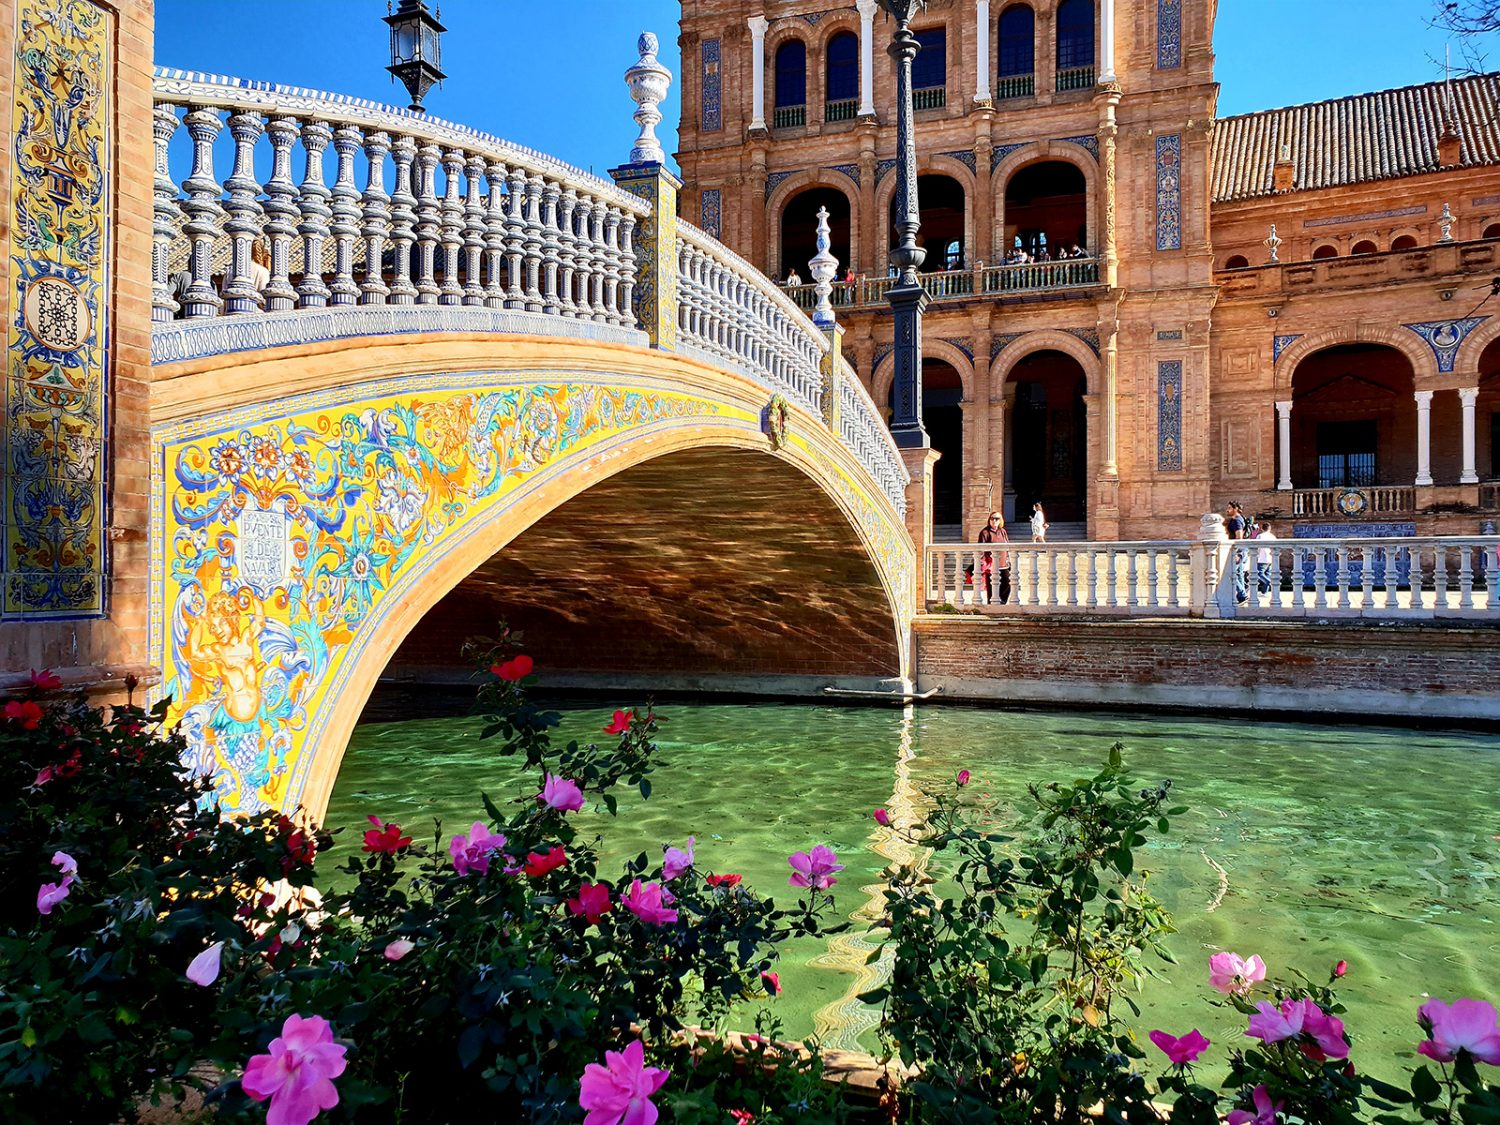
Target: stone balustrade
445,215
430,226
1382,500
1387,578
1435,264
943,285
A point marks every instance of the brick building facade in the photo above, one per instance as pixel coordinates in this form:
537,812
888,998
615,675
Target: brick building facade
1114,332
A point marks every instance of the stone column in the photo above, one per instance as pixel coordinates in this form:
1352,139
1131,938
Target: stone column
1467,396
758,25
1105,238
1424,438
1284,445
866,57
982,51
1106,41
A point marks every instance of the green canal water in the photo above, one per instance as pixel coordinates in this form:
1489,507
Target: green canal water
1304,844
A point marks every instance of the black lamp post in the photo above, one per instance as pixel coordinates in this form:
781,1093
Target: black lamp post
416,48
907,297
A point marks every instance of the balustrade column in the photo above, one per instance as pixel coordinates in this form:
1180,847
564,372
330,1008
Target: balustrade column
494,235
474,231
346,142
757,26
1424,438
627,270
452,236
1468,397
567,243
403,219
866,57
375,220
204,214
982,52
1284,445
429,223
612,271
551,248
533,243
312,202
596,279
515,239
281,213
163,216
241,293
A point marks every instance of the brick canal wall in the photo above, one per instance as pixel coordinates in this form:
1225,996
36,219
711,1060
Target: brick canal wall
1351,669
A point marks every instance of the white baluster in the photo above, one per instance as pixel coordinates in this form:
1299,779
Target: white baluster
551,248
375,220
204,214
345,228
241,293
612,265
1132,576
1343,577
281,213
1320,578
1367,579
515,240
1174,576
474,232
312,203
451,235
164,215
600,263
429,224
567,243
628,267
532,244
494,235
1392,556
1111,579
1439,577
1465,578
403,221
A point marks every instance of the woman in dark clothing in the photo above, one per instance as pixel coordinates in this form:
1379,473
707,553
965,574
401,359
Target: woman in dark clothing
994,532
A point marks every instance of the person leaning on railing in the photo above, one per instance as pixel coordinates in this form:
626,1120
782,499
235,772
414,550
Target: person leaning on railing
994,532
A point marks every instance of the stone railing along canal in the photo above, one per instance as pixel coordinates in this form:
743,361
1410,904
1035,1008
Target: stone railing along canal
1389,577
428,226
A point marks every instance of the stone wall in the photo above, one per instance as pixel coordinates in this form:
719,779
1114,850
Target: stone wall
1331,668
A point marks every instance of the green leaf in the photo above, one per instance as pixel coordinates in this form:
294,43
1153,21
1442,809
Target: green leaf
1424,1086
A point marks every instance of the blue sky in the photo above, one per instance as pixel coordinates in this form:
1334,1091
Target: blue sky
548,73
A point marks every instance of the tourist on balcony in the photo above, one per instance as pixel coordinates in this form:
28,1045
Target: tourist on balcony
1077,251
792,277
1236,526
849,286
260,268
1263,557
1039,524
1044,255
998,563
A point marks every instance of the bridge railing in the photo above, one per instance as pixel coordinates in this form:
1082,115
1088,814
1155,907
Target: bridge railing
445,215
1402,577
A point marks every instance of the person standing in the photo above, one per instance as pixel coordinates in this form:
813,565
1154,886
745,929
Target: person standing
1039,524
793,278
998,564
1234,526
1263,558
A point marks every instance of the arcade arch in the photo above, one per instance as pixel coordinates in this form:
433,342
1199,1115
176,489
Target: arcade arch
1046,209
1046,438
1353,419
797,224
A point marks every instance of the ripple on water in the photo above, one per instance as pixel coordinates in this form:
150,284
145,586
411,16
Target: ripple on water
1366,844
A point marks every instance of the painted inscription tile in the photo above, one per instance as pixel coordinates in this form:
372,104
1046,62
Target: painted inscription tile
283,538
58,304
710,112
1168,34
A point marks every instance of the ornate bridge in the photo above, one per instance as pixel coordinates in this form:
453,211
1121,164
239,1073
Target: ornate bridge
471,381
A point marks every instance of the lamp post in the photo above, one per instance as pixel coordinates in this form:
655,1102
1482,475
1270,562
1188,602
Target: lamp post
416,48
907,297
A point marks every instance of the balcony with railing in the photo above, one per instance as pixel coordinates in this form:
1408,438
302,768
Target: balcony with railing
1075,78
788,116
1016,86
1377,500
929,97
1029,279
844,109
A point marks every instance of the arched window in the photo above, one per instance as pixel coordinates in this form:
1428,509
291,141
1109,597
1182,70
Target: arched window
1017,52
1492,231
1075,44
1365,246
1237,262
1327,250
843,69
929,70
1405,242
791,84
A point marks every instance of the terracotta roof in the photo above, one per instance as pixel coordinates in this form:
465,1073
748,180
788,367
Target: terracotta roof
1357,139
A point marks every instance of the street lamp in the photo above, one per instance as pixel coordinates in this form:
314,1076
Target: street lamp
416,49
906,296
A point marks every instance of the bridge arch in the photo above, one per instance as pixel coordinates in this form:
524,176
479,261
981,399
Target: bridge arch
330,496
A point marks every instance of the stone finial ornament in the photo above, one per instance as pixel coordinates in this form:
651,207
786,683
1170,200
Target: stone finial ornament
823,267
1273,246
648,81
1445,225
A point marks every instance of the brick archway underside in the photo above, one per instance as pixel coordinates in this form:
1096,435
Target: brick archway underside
701,562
